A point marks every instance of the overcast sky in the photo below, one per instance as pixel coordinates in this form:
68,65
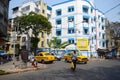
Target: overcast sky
103,5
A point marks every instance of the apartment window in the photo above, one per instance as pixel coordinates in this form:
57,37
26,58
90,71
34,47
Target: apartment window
86,19
99,43
42,44
43,11
91,20
95,37
71,9
92,29
102,27
103,44
103,36
27,8
102,19
37,10
71,41
85,9
71,19
15,10
42,34
58,12
71,30
85,31
98,16
92,40
58,32
47,41
99,25
94,18
91,10
48,16
99,34
58,22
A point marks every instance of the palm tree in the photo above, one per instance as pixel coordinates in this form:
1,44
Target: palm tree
55,43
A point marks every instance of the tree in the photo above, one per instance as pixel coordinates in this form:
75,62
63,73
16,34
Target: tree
50,43
37,22
56,43
115,32
63,45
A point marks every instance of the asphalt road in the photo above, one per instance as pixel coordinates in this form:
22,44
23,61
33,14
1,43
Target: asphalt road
59,70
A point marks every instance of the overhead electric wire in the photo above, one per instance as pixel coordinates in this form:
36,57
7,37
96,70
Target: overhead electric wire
112,8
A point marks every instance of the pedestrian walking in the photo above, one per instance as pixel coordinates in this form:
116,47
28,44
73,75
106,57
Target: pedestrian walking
74,60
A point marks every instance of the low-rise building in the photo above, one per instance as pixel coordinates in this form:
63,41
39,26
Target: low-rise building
4,5
38,7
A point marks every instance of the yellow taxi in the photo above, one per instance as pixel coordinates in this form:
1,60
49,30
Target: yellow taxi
44,57
80,58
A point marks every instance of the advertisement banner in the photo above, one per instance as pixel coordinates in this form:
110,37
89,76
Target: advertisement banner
82,43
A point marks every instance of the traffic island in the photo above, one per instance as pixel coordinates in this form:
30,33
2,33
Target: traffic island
2,72
12,69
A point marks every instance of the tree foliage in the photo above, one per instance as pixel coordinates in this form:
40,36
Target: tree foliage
56,43
37,22
115,32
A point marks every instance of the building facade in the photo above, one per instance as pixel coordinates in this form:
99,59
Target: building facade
37,7
79,22
4,5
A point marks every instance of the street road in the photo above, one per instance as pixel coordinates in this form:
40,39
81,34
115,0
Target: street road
59,70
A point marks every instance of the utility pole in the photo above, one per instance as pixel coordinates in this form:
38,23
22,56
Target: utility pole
14,43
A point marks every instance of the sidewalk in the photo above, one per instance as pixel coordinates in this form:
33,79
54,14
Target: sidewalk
9,67
96,59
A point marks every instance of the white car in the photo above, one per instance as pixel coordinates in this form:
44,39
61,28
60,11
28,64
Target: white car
2,52
58,54
30,57
58,57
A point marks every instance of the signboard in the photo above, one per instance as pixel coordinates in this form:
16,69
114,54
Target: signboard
82,43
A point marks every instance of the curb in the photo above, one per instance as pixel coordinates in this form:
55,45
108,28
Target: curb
96,59
17,70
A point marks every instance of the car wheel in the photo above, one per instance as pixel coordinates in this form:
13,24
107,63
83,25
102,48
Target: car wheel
66,60
85,62
43,61
59,59
51,62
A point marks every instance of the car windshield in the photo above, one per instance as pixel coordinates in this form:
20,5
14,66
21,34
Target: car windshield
1,51
47,54
42,50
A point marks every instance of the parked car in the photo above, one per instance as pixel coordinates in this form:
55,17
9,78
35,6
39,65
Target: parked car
3,56
108,55
2,52
80,58
44,57
58,54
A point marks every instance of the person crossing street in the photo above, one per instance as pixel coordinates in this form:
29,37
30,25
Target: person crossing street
74,60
